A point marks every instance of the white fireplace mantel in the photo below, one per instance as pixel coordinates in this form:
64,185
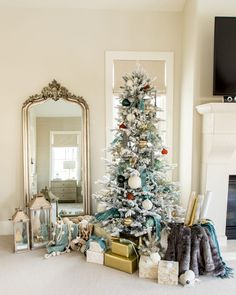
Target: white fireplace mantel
218,158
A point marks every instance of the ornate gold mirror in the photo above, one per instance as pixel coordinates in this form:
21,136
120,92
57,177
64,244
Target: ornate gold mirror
56,149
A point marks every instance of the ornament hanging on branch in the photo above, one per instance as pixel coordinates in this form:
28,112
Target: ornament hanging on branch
120,179
164,151
122,126
128,221
147,204
130,196
134,180
126,102
142,143
130,117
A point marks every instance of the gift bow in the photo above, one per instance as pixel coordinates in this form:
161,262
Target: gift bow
126,241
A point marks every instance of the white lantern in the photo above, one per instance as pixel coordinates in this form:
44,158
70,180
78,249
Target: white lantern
40,221
21,231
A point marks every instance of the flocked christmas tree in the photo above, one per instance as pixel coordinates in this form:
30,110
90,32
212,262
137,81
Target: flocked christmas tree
137,192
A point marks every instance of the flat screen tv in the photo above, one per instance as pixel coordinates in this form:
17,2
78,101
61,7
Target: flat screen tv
224,80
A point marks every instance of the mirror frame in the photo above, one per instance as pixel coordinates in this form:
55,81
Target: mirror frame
56,92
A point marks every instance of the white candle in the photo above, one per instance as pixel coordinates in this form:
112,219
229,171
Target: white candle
205,206
198,210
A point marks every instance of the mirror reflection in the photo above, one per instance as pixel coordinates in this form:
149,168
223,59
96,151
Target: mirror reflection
55,153
56,143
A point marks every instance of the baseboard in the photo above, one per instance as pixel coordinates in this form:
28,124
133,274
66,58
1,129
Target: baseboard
6,228
222,239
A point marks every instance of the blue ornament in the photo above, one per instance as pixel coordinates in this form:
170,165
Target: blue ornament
126,102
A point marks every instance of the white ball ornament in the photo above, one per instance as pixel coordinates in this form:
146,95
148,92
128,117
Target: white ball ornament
130,117
134,182
147,204
187,278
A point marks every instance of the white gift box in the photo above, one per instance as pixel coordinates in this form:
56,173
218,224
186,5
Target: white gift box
168,272
148,268
95,257
95,247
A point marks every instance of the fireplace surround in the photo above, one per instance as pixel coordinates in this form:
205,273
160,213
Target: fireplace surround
218,159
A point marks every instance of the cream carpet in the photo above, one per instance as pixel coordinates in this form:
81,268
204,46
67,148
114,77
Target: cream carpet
30,274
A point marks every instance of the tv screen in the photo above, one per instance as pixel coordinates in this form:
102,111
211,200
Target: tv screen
224,80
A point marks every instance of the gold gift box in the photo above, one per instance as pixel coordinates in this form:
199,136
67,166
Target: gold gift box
126,264
122,249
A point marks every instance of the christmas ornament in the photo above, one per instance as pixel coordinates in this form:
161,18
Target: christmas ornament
133,161
146,87
164,151
147,204
122,126
126,102
128,221
130,196
130,117
187,278
120,179
149,108
142,143
134,182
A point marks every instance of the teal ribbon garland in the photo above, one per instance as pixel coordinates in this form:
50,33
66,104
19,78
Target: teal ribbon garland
110,213
142,104
157,224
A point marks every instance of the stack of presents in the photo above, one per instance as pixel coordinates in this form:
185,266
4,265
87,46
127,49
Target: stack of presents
121,254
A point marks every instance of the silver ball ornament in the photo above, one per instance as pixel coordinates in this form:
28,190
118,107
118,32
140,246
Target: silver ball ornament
147,204
134,182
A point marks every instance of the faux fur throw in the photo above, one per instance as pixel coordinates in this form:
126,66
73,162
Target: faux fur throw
194,249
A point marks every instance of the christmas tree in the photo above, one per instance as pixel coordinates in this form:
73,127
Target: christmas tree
137,191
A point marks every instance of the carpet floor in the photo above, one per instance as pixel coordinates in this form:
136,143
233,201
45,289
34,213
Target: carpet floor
31,274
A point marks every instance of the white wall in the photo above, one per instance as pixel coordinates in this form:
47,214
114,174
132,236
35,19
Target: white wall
198,36
69,46
187,98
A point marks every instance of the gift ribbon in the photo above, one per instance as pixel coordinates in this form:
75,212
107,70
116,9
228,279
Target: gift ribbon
99,240
126,241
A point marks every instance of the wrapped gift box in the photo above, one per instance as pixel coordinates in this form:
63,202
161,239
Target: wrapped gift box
168,272
95,247
126,264
147,268
123,249
95,257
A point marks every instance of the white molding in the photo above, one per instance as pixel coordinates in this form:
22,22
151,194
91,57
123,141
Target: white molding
219,107
168,57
